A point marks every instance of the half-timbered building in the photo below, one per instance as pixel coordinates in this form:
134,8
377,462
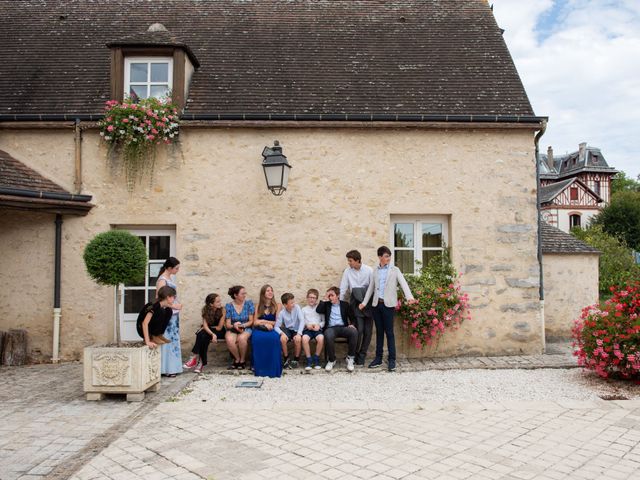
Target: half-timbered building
574,187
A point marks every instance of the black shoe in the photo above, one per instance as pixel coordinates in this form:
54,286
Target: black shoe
392,366
360,362
287,363
375,364
233,366
294,363
242,365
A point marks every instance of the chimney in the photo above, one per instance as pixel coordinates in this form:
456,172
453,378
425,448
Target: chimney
582,150
550,158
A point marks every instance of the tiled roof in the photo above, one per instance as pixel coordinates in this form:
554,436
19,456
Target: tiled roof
555,240
269,56
16,175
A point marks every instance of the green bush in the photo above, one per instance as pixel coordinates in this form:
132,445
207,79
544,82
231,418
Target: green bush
617,265
441,305
115,257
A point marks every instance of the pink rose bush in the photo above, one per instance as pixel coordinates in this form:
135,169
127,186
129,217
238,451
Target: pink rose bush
134,129
607,336
441,305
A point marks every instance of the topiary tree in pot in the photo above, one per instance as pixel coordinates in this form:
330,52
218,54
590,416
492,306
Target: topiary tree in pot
116,257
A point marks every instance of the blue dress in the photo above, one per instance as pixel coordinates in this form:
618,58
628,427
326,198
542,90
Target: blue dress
171,353
266,351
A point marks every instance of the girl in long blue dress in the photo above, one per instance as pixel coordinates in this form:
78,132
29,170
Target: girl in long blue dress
171,353
265,341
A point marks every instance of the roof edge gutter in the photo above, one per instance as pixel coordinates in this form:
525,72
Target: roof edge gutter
298,117
19,192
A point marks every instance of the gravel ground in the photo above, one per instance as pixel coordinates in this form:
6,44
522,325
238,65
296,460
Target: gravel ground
411,387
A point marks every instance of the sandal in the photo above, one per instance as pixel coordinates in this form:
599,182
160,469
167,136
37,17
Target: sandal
242,365
233,366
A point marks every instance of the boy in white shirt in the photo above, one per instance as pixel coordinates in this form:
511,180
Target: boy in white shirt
313,325
289,325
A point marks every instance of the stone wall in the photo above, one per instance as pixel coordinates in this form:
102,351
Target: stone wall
570,284
344,186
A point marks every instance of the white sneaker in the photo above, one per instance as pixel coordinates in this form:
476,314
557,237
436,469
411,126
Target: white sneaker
329,366
350,366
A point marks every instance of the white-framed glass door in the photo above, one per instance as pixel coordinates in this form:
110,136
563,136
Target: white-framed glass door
160,245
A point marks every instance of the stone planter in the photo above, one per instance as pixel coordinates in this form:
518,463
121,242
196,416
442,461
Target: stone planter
129,370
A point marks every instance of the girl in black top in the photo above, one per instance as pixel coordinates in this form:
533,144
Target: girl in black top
154,318
213,319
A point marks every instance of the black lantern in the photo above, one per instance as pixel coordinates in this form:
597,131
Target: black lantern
276,169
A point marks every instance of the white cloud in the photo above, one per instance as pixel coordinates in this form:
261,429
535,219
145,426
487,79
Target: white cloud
580,63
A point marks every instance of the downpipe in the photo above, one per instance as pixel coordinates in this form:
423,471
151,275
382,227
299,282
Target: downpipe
539,135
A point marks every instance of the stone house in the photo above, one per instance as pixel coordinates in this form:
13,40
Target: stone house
574,187
406,124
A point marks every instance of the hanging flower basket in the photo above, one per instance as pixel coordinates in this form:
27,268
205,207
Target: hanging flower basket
134,130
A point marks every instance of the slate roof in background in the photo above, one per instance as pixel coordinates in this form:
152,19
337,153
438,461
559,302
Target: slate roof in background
555,240
563,165
16,175
269,56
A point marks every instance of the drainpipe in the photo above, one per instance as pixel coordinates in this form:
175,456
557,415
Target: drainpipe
56,291
541,287
78,170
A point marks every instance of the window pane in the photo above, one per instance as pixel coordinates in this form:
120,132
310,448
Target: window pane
404,260
431,235
159,247
159,91
159,72
154,269
134,300
427,255
139,91
403,235
138,72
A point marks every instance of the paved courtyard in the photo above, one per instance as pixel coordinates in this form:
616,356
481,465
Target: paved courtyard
500,421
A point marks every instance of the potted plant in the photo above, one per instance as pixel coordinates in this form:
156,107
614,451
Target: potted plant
112,258
133,129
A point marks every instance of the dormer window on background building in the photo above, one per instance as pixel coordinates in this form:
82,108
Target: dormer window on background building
146,77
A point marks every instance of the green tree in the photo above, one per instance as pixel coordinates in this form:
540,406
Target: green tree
116,257
621,218
622,183
617,264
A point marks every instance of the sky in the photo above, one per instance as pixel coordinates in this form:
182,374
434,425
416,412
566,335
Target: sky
579,61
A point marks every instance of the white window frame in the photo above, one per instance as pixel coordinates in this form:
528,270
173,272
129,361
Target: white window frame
417,221
128,330
148,60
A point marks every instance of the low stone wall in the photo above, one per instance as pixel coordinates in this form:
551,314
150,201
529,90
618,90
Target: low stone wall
570,284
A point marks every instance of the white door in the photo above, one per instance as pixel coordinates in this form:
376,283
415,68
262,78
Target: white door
160,245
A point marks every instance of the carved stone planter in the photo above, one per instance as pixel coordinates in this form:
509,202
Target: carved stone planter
131,370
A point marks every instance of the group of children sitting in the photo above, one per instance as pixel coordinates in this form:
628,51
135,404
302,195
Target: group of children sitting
293,323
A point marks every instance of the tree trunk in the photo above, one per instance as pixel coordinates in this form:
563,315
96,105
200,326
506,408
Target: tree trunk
14,347
118,295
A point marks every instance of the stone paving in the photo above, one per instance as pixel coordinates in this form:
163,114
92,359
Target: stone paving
519,440
48,431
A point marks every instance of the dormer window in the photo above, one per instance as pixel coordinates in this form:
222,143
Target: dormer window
146,77
153,63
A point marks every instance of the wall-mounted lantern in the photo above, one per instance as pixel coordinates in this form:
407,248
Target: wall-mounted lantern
276,169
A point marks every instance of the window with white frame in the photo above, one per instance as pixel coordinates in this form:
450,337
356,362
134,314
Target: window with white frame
146,77
416,240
